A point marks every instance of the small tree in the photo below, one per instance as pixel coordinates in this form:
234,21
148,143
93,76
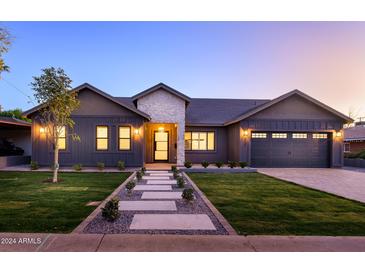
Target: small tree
53,92
4,47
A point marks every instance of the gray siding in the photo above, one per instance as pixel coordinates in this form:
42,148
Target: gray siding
220,153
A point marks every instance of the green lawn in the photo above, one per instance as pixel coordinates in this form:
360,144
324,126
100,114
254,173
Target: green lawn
27,204
257,204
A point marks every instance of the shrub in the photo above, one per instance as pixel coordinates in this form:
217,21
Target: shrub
111,210
121,165
77,167
188,164
180,182
232,164
205,164
139,175
176,174
130,185
173,168
34,165
219,164
243,164
143,170
188,195
100,166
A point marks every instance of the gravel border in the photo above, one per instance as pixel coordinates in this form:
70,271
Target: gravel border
121,225
80,228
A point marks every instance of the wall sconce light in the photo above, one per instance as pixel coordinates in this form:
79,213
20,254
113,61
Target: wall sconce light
245,133
338,134
161,129
136,131
42,130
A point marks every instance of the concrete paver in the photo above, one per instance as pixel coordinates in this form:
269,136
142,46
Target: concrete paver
161,182
341,182
152,187
161,195
147,205
154,177
172,221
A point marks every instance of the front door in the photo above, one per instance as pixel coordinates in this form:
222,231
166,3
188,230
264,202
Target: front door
161,146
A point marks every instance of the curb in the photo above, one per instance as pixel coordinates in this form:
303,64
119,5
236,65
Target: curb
80,228
215,211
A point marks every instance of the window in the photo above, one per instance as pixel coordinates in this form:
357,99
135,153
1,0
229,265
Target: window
61,141
279,136
199,141
124,138
300,136
257,135
102,138
319,135
346,147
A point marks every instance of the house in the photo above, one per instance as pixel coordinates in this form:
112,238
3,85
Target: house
162,124
354,140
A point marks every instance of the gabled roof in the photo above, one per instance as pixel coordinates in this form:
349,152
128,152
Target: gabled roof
164,87
354,133
101,93
216,112
283,97
14,121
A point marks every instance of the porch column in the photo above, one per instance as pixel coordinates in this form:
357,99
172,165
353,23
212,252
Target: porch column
180,151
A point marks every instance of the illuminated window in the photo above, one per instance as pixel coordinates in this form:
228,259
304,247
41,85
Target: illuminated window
199,141
258,135
279,135
300,136
61,141
320,135
102,138
124,138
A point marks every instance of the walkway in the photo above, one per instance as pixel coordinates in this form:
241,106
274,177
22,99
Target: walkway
182,243
341,182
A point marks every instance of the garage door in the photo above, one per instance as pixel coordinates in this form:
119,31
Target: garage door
290,149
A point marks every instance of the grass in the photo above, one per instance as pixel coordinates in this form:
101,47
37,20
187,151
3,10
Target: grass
28,204
256,204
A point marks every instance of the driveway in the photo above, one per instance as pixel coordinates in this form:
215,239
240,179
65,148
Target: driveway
346,183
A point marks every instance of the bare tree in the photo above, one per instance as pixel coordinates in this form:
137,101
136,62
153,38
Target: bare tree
4,48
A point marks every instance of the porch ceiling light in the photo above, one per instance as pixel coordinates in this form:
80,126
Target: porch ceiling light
161,129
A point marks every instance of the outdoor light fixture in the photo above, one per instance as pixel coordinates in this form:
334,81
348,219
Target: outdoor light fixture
136,131
161,129
245,133
42,130
338,134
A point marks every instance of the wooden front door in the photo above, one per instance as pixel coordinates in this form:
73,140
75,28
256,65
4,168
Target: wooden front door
161,146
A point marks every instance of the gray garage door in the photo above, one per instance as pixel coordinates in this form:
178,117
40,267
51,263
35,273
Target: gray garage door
290,149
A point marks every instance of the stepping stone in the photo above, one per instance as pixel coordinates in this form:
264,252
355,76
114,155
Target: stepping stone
154,177
147,205
172,222
161,182
157,171
161,195
154,187
160,174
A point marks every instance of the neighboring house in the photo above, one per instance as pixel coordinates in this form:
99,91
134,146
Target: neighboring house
354,140
162,124
15,133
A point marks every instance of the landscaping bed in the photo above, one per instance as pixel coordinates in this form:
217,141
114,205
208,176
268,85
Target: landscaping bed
123,222
256,204
28,204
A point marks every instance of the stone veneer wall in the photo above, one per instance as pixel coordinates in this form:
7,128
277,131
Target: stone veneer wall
164,107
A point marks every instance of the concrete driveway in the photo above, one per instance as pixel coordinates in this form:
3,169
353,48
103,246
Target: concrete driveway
346,183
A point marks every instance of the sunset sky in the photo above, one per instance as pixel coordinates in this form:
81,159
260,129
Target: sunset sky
212,59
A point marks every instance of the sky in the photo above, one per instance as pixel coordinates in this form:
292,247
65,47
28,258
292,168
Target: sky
258,60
